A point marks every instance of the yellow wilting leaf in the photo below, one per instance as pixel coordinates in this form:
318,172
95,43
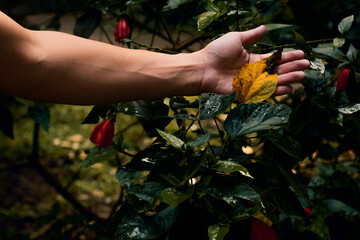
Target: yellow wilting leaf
263,218
253,82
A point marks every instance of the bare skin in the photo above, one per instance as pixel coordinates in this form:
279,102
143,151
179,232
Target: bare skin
56,67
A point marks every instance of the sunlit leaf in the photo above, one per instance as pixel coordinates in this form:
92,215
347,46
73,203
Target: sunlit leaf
276,26
254,82
229,167
206,18
317,64
345,24
172,140
218,231
350,109
338,42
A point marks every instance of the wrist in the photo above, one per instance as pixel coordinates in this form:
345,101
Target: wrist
191,74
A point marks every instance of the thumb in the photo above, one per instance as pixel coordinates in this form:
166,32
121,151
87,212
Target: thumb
253,35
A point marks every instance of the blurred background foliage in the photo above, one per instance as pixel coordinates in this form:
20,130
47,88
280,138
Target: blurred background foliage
47,195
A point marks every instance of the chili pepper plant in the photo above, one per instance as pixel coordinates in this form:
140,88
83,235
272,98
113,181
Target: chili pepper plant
217,169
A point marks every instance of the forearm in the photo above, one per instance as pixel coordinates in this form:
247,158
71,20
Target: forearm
67,69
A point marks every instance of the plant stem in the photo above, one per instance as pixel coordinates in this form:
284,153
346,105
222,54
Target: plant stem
151,48
162,23
220,133
203,132
292,45
106,34
154,33
35,164
35,146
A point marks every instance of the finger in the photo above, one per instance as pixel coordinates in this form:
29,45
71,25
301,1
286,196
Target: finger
290,56
286,56
253,35
291,77
281,90
297,65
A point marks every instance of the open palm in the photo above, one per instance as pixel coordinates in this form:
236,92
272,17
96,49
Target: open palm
224,57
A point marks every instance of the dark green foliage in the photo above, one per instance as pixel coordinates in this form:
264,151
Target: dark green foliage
196,180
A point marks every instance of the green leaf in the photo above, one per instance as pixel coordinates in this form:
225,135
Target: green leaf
96,156
300,40
317,64
173,4
218,231
172,140
41,114
315,81
127,108
352,53
229,167
349,109
184,116
125,177
138,227
229,189
97,112
338,42
172,180
319,227
6,121
253,117
87,23
205,19
286,144
294,182
327,49
345,24
276,26
199,141
212,104
153,114
336,206
174,196
148,192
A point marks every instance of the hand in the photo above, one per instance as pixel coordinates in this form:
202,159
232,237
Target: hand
223,58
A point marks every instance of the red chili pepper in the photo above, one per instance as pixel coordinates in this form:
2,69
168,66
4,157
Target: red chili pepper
308,212
262,231
342,80
103,134
122,30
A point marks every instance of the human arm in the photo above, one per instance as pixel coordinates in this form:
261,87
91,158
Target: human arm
56,67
